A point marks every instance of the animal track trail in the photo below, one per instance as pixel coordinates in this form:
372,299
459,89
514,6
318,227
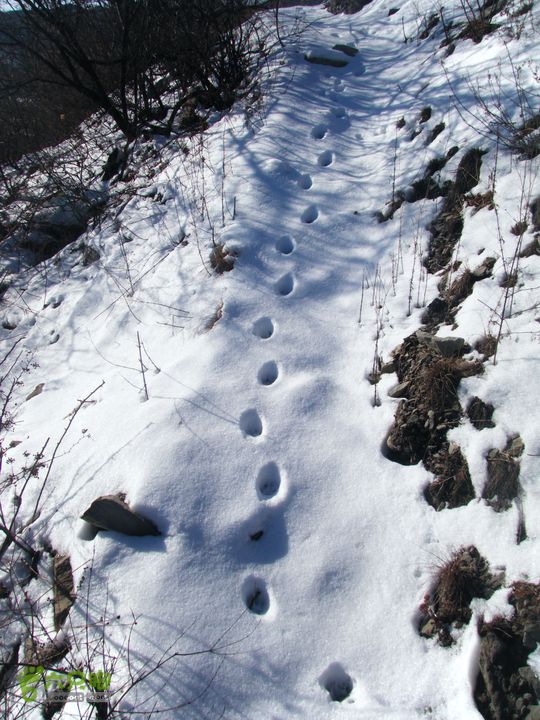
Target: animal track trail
268,373
310,214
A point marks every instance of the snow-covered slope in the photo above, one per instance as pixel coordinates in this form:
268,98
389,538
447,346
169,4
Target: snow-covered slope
260,416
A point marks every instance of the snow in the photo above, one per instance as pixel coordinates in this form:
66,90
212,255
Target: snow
264,419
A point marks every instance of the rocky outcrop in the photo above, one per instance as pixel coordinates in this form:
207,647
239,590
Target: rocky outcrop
506,686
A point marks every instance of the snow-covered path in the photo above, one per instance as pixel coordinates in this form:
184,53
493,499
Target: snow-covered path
285,531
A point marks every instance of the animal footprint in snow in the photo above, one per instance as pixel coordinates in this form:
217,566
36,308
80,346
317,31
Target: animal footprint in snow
263,328
251,423
310,214
285,284
338,112
268,373
325,158
268,481
318,132
255,595
55,301
305,182
285,245
337,682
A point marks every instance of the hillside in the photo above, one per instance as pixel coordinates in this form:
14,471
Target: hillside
348,509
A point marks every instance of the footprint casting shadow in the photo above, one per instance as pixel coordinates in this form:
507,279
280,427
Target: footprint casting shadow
251,423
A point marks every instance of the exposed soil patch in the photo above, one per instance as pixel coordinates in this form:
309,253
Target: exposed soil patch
425,114
447,227
435,132
535,214
348,7
486,346
506,687
430,22
425,188
502,486
64,589
480,413
477,29
526,139
430,370
453,486
480,200
221,259
464,577
443,309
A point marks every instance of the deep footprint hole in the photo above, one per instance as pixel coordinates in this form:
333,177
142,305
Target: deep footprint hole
268,373
268,481
285,284
310,214
325,159
255,595
285,245
305,182
251,423
318,132
336,682
339,112
263,328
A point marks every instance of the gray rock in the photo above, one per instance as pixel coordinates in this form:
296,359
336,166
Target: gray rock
388,367
534,713
515,447
429,629
447,346
36,391
399,390
110,512
484,270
